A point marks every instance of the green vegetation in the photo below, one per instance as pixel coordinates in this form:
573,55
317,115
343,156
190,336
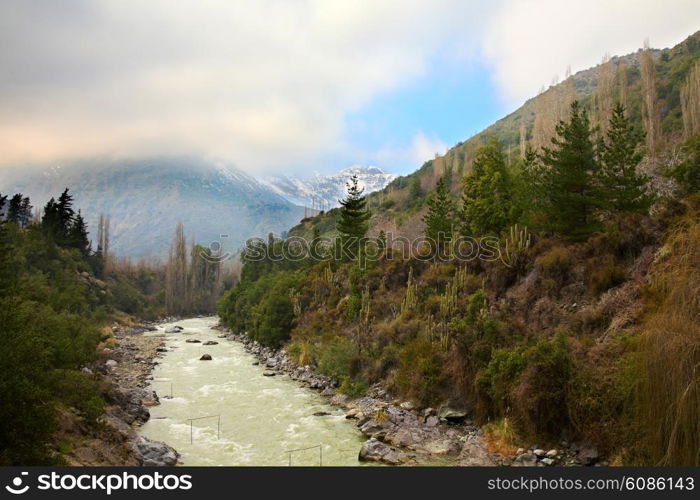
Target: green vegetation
582,328
50,319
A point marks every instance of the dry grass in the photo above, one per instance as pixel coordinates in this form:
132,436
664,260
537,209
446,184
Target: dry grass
500,437
669,396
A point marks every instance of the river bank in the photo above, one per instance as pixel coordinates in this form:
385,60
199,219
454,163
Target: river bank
398,433
124,365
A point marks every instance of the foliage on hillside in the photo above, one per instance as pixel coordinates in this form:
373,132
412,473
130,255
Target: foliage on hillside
555,328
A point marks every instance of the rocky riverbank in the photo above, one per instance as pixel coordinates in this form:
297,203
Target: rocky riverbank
125,364
398,433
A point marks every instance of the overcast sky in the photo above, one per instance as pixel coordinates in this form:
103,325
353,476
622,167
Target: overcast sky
285,86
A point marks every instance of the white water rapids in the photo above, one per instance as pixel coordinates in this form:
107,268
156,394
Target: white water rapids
260,417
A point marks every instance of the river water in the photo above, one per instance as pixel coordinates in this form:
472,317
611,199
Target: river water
260,417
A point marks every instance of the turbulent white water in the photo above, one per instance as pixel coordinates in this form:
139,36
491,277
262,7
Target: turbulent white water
261,417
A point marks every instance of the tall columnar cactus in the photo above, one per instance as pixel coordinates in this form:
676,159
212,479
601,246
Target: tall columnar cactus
515,245
294,296
410,301
365,318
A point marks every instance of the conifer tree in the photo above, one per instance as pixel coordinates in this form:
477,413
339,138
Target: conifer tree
568,190
353,223
622,188
78,235
439,221
487,195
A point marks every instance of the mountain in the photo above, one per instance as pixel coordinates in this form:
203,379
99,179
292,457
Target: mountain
146,198
323,191
400,208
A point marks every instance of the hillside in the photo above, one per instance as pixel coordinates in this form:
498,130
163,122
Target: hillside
398,207
550,298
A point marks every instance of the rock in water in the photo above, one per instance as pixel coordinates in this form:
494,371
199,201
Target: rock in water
174,329
210,342
155,453
321,414
193,341
205,357
269,374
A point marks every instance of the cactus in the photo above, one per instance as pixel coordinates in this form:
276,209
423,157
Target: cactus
365,317
295,297
514,246
410,301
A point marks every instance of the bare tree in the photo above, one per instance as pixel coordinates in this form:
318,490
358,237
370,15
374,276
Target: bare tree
690,101
176,274
604,93
622,83
650,114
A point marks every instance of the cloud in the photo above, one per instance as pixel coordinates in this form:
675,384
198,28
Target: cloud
530,41
263,84
407,157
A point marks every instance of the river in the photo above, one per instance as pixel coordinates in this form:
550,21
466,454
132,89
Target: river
260,417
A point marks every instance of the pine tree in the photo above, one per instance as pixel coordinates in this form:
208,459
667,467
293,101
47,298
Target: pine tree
488,202
415,191
570,197
19,210
58,218
439,221
14,209
25,212
352,222
78,235
623,189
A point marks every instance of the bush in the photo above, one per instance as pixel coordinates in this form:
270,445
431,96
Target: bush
554,266
336,359
420,374
529,383
604,273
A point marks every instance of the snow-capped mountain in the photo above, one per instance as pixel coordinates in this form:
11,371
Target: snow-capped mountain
146,198
323,191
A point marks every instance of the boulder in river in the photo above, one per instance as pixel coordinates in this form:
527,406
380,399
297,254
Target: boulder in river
210,342
174,329
193,341
205,357
155,453
374,450
269,374
321,414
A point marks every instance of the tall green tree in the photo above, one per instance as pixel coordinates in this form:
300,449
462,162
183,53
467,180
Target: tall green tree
570,197
78,235
488,193
354,215
623,189
439,221
19,210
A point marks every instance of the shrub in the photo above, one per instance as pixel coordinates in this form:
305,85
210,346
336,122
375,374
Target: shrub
420,372
336,358
604,273
554,266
